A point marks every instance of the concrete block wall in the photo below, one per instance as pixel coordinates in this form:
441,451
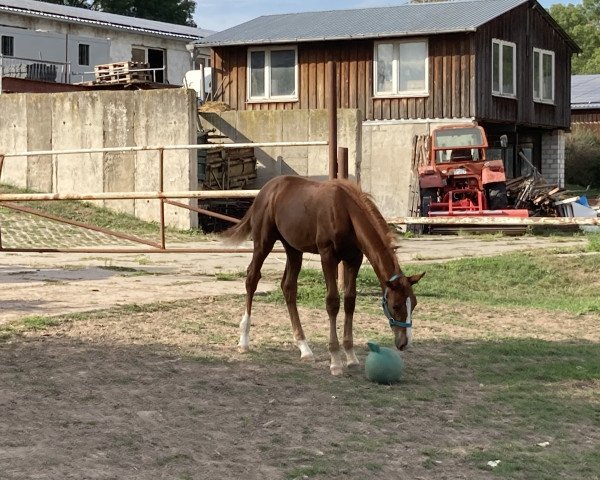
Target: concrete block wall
289,126
553,157
60,121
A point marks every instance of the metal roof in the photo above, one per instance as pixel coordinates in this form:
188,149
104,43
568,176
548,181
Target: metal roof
393,21
109,20
585,92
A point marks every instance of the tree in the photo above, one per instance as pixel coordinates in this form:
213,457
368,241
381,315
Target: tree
582,23
179,12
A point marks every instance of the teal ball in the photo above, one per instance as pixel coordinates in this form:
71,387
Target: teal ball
383,365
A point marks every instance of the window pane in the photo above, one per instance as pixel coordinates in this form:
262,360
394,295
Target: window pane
283,72
138,55
385,57
412,66
536,75
507,70
8,44
257,74
495,67
84,54
547,68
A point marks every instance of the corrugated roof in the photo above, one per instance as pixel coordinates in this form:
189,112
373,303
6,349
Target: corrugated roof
585,92
401,20
109,20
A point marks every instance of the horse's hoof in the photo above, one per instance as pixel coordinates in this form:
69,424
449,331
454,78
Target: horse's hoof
307,358
243,348
336,371
353,365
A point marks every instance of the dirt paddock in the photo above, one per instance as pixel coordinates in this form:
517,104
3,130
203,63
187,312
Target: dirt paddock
144,392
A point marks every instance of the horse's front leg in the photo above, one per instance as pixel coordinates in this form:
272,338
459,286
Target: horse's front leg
351,269
332,303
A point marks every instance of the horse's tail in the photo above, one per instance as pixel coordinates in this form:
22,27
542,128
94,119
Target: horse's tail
241,231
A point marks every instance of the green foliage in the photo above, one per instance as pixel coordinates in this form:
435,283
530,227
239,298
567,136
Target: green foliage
581,23
179,12
582,158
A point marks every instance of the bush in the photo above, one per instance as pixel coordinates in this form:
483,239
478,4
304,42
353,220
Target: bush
582,158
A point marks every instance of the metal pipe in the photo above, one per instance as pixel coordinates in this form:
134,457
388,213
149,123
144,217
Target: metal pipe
332,115
134,250
493,220
161,182
30,197
203,146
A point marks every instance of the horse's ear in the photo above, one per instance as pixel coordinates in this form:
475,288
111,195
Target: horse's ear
415,278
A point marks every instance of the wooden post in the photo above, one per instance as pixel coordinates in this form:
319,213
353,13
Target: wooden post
331,90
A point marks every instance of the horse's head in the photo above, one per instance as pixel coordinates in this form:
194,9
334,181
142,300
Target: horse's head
398,303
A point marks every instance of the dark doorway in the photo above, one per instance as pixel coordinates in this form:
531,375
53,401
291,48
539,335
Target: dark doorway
156,59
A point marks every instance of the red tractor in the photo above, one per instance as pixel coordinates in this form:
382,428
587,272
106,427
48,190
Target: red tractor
459,179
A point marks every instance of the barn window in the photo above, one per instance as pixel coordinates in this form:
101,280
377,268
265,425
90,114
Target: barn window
504,68
84,54
8,46
400,68
273,73
543,75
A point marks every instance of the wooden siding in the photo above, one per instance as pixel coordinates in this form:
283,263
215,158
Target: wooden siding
451,80
528,29
459,76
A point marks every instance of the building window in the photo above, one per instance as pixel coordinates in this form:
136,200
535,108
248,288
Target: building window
543,75
273,73
157,63
401,68
8,46
504,68
84,54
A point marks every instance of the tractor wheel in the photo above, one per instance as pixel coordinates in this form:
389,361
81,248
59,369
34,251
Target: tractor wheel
496,194
427,195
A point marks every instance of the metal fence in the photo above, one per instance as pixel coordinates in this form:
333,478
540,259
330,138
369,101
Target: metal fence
32,69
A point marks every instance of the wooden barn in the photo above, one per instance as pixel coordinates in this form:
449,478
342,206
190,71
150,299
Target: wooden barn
505,64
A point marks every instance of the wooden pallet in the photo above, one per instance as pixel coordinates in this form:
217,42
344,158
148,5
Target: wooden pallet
122,72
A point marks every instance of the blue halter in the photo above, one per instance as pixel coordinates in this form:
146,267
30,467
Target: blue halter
386,310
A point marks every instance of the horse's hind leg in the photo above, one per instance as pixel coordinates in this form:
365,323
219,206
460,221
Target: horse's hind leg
289,286
261,250
350,273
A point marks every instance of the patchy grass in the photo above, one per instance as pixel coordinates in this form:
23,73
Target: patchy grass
565,283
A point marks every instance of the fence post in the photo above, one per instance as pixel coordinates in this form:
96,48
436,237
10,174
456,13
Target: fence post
332,114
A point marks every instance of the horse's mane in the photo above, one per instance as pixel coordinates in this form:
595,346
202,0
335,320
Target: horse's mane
373,214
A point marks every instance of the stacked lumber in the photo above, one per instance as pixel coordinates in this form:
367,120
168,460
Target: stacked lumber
229,169
122,72
539,197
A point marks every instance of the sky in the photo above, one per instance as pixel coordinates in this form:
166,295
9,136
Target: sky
222,14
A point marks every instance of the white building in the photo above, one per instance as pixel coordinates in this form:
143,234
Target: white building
43,41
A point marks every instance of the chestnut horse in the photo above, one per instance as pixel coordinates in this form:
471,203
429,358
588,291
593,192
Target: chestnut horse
341,223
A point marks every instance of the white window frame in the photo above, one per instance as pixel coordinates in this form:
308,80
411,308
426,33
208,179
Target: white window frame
267,96
502,43
540,80
395,71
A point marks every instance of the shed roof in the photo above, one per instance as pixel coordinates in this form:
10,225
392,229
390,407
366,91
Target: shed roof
378,22
585,92
34,8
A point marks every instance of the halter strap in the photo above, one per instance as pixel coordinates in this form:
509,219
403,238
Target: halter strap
386,310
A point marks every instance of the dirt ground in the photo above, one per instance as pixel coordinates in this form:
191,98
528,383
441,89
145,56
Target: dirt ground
55,283
163,393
